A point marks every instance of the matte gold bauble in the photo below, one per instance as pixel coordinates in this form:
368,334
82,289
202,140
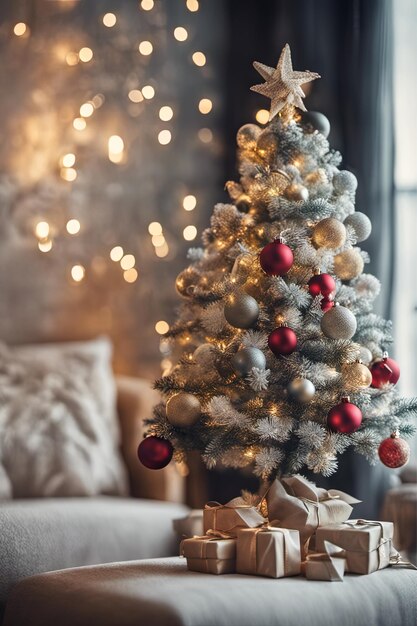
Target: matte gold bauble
247,136
356,375
329,233
183,410
348,264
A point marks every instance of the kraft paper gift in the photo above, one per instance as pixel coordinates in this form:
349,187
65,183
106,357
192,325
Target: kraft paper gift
268,551
367,544
328,565
231,516
295,502
210,554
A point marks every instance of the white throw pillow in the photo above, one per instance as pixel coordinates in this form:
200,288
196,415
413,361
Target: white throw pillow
59,432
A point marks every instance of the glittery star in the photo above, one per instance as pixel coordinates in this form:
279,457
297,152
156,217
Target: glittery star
282,84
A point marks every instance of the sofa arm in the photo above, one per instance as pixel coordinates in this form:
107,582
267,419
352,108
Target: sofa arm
135,401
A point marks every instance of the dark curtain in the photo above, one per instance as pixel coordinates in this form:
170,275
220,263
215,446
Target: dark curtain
350,43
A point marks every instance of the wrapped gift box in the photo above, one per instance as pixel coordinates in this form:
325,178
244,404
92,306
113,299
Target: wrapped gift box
209,554
328,565
268,551
231,516
367,544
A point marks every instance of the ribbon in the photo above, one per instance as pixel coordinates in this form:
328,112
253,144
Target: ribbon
228,517
382,544
260,552
210,536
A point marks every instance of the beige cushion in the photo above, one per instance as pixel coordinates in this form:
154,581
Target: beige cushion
164,593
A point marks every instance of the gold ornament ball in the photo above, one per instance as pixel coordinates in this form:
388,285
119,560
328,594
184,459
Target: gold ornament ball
247,136
356,375
296,192
348,264
186,281
329,233
267,145
183,410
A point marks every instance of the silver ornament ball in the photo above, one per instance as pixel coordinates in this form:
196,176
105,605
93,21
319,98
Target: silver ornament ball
365,355
247,358
296,192
247,136
338,323
361,225
241,311
345,182
301,390
183,410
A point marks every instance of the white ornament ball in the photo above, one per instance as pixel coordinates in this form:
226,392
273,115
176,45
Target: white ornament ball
329,233
247,358
241,311
338,323
345,182
296,192
348,264
204,355
301,390
247,136
183,410
365,355
361,225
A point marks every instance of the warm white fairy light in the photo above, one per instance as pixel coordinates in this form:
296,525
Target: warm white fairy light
162,251
73,226
262,116
189,233
130,275
85,54
205,106
162,327
42,230
164,137
20,29
109,20
77,273
116,253
72,58
127,262
115,149
135,95
166,113
145,48
68,173
68,160
45,245
147,5
155,228
158,240
86,109
205,135
193,5
98,100
79,123
180,33
199,58
189,203
148,92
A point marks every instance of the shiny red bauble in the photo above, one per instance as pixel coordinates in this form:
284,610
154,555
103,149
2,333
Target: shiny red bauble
394,451
323,284
282,341
384,372
155,452
326,303
276,258
344,417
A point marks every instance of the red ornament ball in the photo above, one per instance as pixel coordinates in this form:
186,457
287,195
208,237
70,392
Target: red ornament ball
323,284
384,372
344,417
155,452
394,451
282,341
326,303
276,258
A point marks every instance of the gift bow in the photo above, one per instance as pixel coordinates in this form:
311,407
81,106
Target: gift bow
332,560
291,549
299,504
249,515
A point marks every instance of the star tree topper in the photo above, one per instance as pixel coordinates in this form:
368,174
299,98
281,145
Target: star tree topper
282,85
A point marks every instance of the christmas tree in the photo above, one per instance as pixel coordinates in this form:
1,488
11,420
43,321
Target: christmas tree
282,361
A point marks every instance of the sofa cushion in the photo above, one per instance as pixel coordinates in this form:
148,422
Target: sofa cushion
58,425
49,534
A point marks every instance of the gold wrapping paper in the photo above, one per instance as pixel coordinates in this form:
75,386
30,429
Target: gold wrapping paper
231,516
367,544
294,502
328,565
210,554
268,551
